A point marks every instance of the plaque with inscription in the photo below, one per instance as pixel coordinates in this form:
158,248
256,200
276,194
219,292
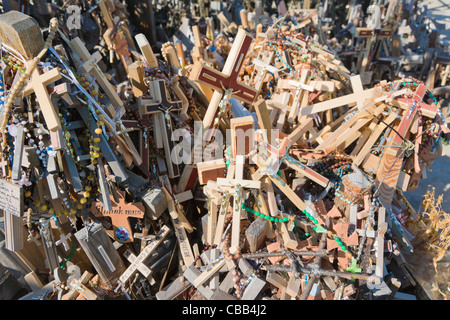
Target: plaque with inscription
11,198
119,214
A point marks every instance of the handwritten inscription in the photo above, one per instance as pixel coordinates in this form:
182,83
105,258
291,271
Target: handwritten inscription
129,212
11,198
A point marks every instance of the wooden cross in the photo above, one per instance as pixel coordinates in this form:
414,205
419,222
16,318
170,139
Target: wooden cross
310,45
63,239
92,67
227,79
137,263
280,102
263,66
341,101
236,184
82,157
108,153
144,149
413,104
119,214
4,166
161,120
119,44
372,36
38,85
180,223
301,87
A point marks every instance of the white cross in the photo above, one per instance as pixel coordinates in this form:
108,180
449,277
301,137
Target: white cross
63,240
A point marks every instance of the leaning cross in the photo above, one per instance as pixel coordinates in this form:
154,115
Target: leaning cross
63,240
138,262
38,85
4,166
152,109
144,149
227,79
413,104
237,184
119,214
89,64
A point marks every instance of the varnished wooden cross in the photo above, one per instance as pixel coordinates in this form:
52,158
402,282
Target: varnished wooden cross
227,79
119,214
412,106
137,263
38,85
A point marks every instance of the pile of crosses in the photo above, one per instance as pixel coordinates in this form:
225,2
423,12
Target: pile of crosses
390,40
251,165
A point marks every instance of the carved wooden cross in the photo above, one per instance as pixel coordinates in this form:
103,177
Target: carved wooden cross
38,85
144,149
301,87
237,184
92,67
116,41
63,239
137,263
161,119
119,214
4,166
227,79
413,104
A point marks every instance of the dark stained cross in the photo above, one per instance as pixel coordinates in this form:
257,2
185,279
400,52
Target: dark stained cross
227,79
161,106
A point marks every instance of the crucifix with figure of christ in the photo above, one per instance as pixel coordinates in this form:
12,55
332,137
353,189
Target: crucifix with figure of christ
156,111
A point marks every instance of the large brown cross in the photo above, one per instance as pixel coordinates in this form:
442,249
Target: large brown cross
413,104
227,79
